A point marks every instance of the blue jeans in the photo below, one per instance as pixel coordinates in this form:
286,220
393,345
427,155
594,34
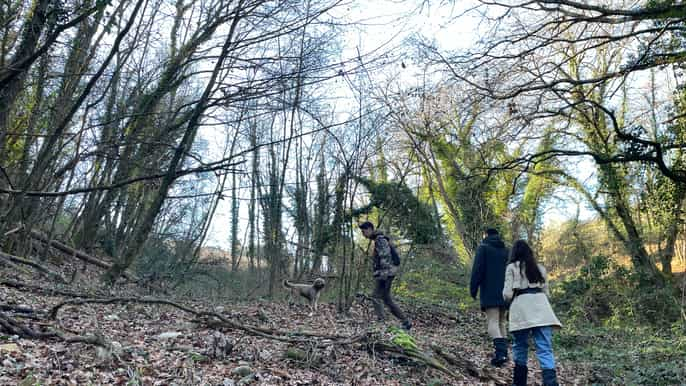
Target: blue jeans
543,338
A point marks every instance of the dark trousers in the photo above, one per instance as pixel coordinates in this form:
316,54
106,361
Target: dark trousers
382,292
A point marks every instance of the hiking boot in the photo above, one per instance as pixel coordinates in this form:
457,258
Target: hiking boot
519,375
550,377
407,325
500,352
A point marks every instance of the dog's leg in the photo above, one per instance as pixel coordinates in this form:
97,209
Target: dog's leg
292,298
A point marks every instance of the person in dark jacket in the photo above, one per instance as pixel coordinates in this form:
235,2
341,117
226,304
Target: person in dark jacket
488,277
386,264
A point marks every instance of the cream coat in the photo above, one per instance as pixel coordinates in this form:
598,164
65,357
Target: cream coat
528,310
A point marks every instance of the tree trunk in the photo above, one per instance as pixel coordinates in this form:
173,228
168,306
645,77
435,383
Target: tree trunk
12,77
321,216
142,119
143,229
235,244
252,220
675,218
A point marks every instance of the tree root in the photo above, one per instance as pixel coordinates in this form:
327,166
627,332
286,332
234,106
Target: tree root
411,354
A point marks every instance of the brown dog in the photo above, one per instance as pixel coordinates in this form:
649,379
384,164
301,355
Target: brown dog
311,292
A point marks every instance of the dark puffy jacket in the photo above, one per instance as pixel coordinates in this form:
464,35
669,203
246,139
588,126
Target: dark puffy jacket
384,266
488,272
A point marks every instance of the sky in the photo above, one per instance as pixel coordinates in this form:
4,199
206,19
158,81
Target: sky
384,25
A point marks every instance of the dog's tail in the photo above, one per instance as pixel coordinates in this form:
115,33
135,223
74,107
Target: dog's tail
287,284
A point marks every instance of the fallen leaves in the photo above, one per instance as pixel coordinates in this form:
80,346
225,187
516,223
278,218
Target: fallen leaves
9,348
158,344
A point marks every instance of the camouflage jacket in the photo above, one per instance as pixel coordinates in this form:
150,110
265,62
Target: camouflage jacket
383,259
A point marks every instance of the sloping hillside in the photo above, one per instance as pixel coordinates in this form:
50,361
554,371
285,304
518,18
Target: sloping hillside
78,334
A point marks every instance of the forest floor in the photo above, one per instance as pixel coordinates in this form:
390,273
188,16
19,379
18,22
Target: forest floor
260,343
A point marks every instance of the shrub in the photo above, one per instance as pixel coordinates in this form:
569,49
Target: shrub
604,292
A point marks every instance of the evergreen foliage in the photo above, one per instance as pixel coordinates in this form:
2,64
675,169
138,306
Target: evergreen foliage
404,210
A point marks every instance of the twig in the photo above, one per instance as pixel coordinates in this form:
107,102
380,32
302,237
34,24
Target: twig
15,230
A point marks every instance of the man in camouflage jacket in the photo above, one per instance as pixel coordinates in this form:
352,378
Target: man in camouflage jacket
386,264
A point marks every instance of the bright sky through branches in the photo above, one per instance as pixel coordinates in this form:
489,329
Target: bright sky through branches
374,28
381,28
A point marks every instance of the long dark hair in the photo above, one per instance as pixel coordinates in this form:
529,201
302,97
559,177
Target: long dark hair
522,252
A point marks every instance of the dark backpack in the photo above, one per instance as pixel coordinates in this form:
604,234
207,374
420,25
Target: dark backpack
395,257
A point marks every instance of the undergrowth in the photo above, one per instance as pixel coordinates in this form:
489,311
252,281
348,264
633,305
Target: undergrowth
624,332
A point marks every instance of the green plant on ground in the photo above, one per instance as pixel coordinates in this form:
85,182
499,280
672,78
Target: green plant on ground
402,339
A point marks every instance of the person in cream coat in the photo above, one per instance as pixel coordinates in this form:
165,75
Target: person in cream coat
526,288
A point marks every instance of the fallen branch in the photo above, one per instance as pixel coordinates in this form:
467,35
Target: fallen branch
12,266
42,290
210,319
21,312
21,260
415,355
466,365
69,250
12,326
18,309
119,300
15,230
75,252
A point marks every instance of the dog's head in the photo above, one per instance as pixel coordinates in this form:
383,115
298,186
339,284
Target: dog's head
319,283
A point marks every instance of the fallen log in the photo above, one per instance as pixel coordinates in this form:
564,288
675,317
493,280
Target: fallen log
32,264
75,252
466,365
412,354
